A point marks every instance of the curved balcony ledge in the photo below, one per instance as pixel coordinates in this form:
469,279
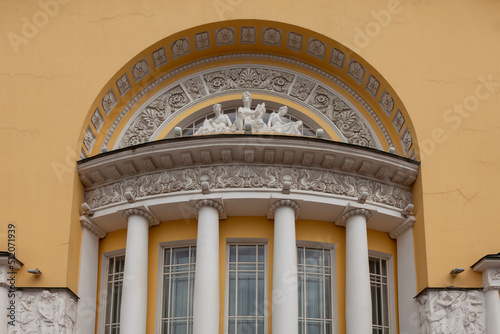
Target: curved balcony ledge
247,173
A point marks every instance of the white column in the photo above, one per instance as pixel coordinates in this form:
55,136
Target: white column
206,284
492,305
407,277
358,297
285,293
489,266
87,279
135,279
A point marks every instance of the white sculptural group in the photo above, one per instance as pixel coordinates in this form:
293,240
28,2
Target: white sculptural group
275,124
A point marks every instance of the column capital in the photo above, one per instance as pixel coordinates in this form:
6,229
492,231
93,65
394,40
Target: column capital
85,222
355,212
139,212
406,225
285,202
208,202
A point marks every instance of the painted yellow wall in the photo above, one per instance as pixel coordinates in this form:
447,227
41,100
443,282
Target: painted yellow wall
433,53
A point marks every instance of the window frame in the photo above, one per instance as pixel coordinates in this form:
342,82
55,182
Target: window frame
244,242
159,296
390,286
333,259
103,288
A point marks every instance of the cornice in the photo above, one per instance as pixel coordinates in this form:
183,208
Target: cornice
208,202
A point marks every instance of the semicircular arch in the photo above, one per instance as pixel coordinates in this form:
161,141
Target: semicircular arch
184,73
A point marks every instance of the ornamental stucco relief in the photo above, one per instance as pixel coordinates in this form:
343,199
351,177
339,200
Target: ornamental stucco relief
44,312
320,99
451,312
238,176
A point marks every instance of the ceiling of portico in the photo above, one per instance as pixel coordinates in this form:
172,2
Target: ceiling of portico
193,69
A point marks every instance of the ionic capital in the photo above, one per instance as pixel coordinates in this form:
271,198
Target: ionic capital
89,225
356,212
139,212
285,202
208,202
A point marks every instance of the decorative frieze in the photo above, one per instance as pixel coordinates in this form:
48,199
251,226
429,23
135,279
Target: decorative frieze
109,101
44,311
451,311
180,47
398,121
248,35
244,176
387,102
373,85
97,119
123,84
337,58
356,70
202,40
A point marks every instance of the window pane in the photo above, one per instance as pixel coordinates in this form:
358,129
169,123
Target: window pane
314,296
246,291
379,294
247,294
247,254
178,289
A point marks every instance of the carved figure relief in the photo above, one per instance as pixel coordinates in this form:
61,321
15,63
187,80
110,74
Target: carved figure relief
451,312
195,87
277,124
43,312
302,88
219,124
238,176
495,275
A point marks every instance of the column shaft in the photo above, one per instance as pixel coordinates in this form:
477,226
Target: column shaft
407,279
285,292
492,305
87,282
206,285
135,284
358,295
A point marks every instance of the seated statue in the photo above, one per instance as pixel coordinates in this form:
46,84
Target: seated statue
277,124
246,114
220,123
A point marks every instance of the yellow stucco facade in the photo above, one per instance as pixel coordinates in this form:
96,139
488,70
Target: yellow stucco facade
439,59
